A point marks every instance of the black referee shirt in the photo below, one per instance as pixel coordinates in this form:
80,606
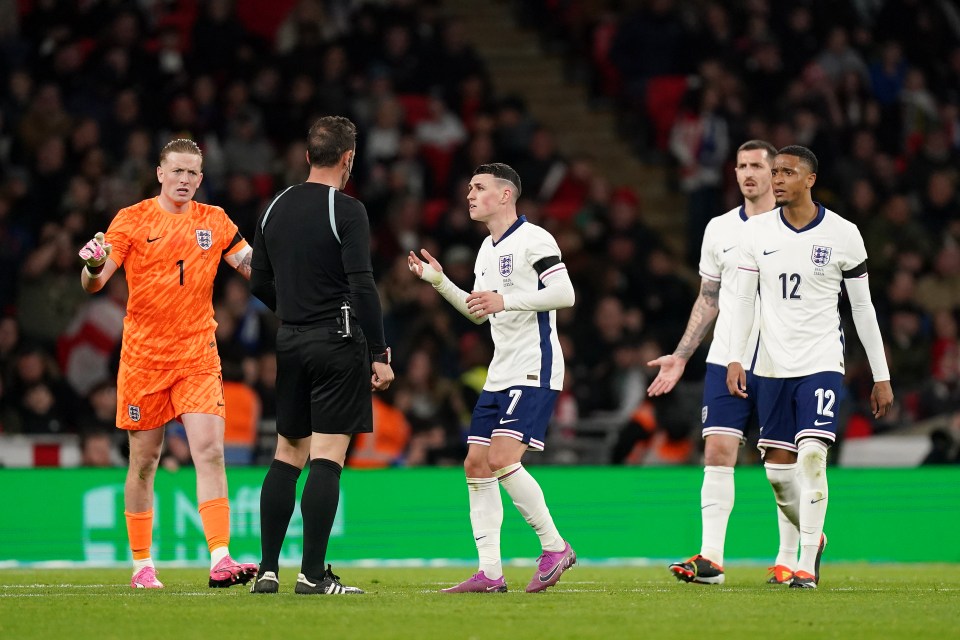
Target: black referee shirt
317,259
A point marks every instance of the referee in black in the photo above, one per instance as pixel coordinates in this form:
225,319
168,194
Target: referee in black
311,264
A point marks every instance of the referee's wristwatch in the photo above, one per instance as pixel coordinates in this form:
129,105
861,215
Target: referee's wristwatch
383,358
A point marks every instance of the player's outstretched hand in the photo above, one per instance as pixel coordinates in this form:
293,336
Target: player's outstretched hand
427,269
671,369
382,376
881,398
736,380
95,252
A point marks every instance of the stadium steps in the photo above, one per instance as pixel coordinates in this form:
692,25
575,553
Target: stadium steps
519,66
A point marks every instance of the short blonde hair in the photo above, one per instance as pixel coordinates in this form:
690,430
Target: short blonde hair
180,145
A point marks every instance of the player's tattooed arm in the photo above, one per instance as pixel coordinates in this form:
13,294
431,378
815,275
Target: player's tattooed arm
241,261
704,313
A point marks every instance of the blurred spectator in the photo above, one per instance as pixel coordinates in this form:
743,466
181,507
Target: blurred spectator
242,418
941,448
41,402
246,150
101,415
98,450
176,448
266,384
700,142
908,347
85,348
543,167
45,119
385,447
434,410
606,374
49,296
838,58
940,289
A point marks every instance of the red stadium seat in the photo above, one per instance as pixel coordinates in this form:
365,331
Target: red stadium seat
664,94
415,108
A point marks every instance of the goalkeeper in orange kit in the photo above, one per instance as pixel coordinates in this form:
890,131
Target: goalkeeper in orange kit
170,247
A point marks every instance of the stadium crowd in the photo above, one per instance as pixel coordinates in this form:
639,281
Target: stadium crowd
92,90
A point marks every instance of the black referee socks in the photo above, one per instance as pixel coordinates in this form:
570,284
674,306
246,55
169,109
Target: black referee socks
278,496
318,505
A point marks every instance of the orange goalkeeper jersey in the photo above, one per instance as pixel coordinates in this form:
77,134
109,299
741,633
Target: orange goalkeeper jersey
170,261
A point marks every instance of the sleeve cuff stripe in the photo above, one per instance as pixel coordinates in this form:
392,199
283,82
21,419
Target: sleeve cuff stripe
556,269
749,269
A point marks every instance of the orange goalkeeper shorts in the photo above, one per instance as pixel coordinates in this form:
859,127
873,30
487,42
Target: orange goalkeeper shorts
150,398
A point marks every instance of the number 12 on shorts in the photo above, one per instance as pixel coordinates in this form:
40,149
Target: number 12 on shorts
825,400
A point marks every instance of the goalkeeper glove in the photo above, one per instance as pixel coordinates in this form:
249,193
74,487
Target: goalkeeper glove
95,253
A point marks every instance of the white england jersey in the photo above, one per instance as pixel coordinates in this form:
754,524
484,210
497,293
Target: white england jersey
718,262
800,274
526,348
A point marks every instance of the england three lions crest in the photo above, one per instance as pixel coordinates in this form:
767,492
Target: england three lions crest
205,238
506,265
820,255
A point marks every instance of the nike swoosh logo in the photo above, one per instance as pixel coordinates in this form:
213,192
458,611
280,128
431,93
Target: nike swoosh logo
548,576
730,249
817,423
502,421
818,500
154,239
493,588
480,538
766,253
712,504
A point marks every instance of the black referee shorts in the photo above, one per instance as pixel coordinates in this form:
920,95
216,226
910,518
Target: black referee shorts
323,382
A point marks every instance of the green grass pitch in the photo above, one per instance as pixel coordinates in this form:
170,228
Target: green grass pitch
853,601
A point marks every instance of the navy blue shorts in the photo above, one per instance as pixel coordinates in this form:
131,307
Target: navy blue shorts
521,413
791,409
723,414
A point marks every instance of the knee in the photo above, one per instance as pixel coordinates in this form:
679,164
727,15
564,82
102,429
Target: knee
811,458
210,455
497,460
476,467
721,451
144,463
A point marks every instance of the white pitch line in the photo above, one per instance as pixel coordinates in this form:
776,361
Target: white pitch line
57,586
112,595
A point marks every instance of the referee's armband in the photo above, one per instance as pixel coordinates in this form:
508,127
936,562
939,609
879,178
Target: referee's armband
384,358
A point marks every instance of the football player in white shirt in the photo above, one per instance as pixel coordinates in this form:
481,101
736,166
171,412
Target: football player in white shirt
519,284
799,255
725,418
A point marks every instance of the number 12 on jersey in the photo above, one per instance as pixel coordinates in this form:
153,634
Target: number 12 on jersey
794,291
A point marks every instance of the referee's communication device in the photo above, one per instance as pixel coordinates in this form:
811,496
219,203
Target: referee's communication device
345,331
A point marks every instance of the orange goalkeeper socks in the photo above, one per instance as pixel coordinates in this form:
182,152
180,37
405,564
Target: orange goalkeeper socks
140,533
215,515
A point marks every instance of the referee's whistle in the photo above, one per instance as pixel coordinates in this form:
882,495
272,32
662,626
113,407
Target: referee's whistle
345,320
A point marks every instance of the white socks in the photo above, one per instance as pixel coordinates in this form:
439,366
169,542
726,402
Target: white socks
486,516
140,564
812,477
716,503
217,555
528,497
786,491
